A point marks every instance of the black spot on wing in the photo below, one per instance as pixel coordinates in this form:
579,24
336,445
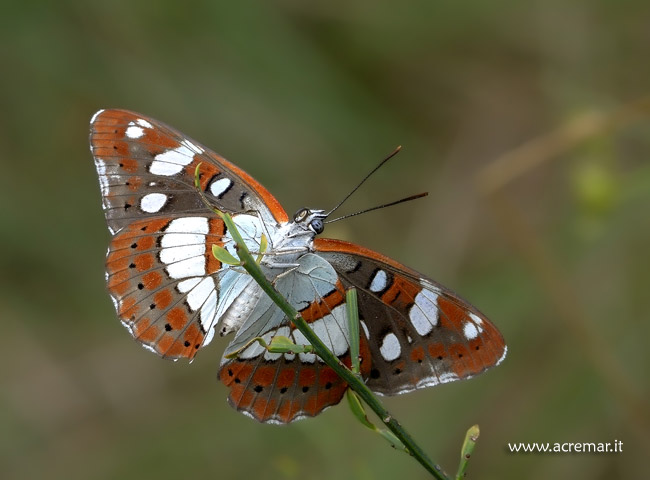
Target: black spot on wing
241,200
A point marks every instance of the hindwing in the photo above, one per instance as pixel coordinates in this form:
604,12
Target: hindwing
419,333
283,387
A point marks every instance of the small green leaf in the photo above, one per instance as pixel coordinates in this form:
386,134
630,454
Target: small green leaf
224,256
358,411
263,246
279,344
393,440
468,448
197,177
282,344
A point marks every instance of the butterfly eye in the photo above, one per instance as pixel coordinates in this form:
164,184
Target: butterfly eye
300,215
317,225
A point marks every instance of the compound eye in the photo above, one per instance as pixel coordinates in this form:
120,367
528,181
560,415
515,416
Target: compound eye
300,215
317,225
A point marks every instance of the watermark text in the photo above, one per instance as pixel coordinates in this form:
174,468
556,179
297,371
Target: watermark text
567,447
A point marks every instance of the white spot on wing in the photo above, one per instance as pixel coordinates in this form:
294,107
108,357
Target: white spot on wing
218,187
505,352
207,314
195,148
101,166
149,347
172,161
183,247
390,348
379,281
209,335
188,250
424,312
103,179
153,202
447,377
97,113
191,267
476,318
133,131
115,303
333,331
143,123
187,285
189,225
199,294
365,329
470,331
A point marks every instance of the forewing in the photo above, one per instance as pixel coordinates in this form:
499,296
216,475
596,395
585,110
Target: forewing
419,333
166,284
146,170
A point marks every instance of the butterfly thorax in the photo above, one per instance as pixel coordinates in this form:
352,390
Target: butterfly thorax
287,244
293,239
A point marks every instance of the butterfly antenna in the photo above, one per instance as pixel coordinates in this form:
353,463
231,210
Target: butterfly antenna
407,199
393,153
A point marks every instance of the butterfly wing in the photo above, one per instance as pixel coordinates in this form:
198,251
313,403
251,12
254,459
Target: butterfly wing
164,281
419,333
282,388
146,170
167,287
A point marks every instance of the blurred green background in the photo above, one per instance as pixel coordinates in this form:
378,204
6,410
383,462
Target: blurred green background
550,241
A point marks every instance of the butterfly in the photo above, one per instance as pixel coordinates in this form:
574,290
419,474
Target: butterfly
173,294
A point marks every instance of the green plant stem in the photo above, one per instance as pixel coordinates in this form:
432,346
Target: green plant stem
353,327
251,266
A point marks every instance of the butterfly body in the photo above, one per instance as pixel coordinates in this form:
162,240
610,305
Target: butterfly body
172,294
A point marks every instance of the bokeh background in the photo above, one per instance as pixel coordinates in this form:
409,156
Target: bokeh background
527,122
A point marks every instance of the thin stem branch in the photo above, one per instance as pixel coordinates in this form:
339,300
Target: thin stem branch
355,383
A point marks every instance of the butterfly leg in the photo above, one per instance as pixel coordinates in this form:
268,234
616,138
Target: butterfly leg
287,251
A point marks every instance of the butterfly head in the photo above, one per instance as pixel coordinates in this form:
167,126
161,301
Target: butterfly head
310,220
